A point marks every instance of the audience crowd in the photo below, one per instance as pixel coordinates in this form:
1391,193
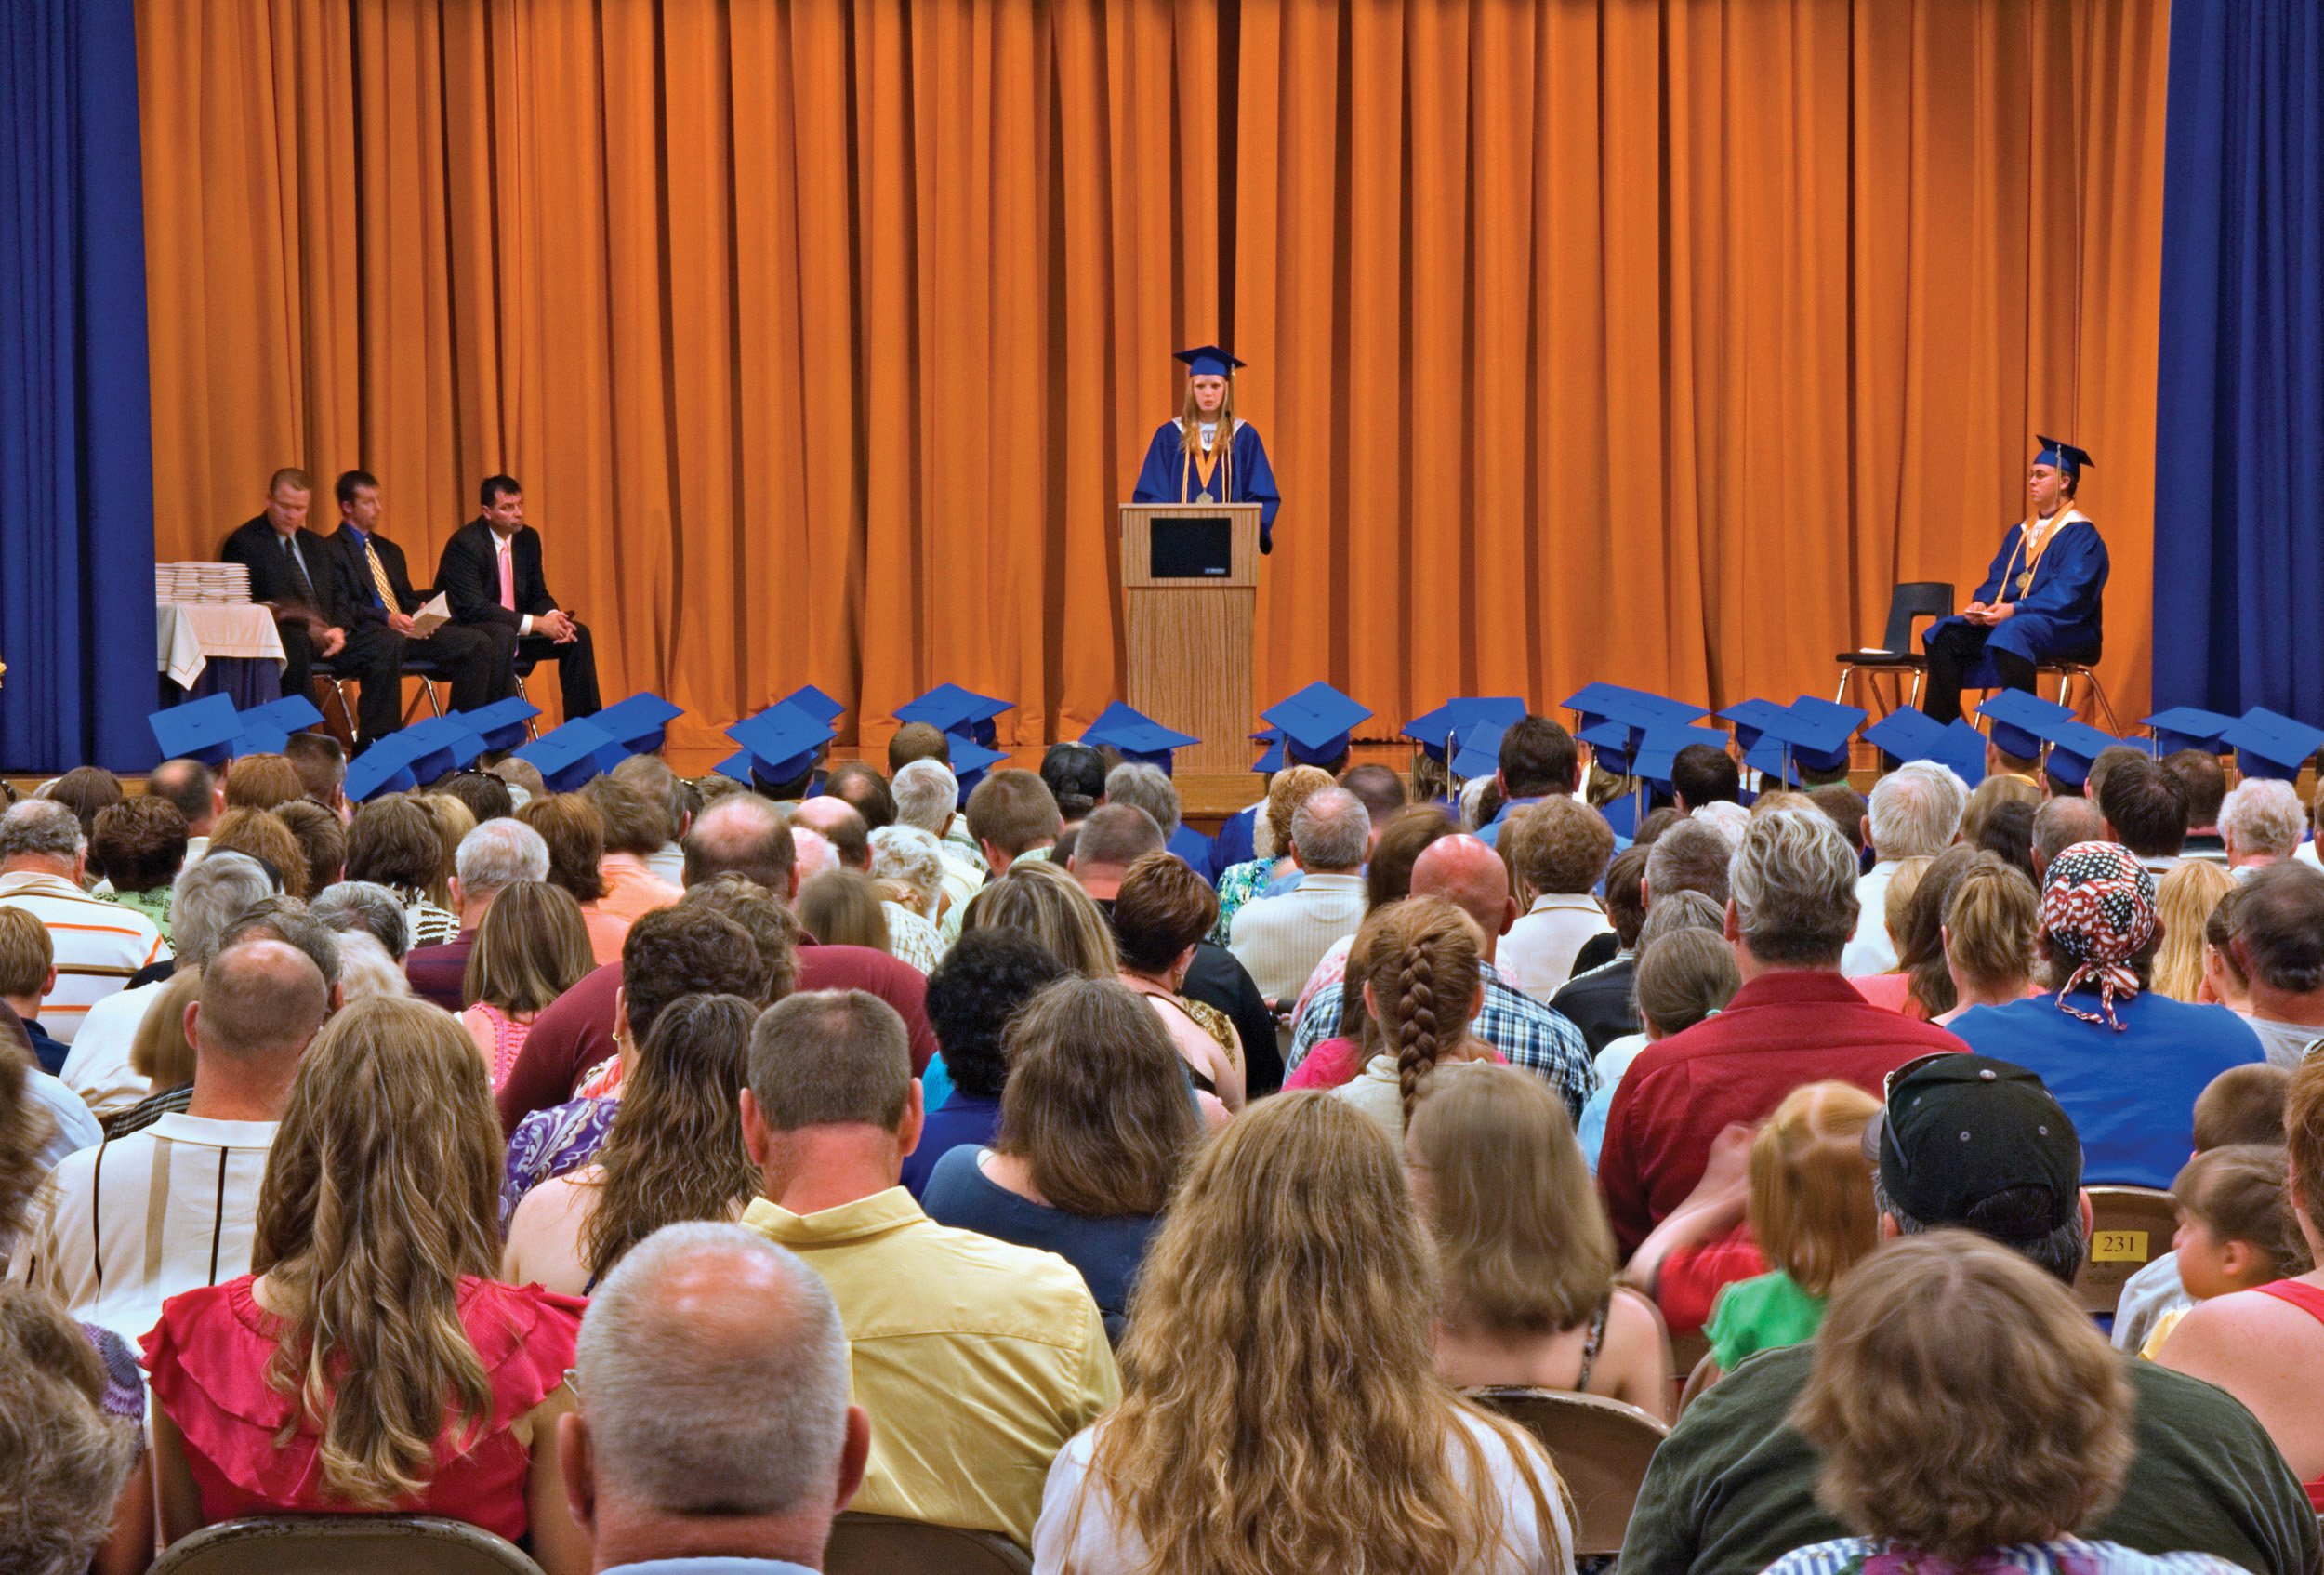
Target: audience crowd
659,1170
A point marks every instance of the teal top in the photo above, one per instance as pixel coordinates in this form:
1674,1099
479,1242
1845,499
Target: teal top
1758,1315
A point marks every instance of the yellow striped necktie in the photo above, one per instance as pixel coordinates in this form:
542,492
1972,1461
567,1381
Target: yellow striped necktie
379,578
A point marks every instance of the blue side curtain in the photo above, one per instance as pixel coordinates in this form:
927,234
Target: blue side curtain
76,453
2239,439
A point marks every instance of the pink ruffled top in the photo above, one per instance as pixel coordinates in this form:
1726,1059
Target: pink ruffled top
209,1359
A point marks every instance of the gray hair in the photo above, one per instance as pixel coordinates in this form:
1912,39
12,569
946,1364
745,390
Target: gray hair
1148,787
497,855
1916,810
287,919
1691,856
910,856
40,828
2063,822
927,795
367,907
2058,1254
1680,910
1793,883
734,1408
2263,815
366,970
1331,830
209,895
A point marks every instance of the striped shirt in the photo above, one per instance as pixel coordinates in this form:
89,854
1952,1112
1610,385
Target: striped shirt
99,945
122,1227
2067,1555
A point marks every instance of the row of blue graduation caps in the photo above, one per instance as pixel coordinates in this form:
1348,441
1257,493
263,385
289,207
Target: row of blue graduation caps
1632,732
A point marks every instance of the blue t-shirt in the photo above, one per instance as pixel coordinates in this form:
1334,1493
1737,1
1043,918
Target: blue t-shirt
965,1118
2132,1094
1106,1250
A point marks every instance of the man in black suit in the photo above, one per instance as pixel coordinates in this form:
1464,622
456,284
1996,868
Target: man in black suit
296,573
491,573
376,591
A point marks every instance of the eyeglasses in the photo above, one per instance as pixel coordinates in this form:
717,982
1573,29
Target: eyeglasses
1888,1084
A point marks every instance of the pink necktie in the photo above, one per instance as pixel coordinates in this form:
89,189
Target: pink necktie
508,581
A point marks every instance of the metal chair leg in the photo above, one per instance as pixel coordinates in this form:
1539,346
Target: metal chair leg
531,723
335,689
1840,696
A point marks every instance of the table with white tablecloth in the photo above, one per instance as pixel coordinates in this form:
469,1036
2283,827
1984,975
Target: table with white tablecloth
212,648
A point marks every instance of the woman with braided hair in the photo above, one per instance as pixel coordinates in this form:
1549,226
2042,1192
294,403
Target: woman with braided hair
1423,985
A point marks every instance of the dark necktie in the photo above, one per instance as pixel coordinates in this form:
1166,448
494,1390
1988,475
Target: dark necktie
301,586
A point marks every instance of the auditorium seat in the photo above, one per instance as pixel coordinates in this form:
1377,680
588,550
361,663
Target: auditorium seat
1602,1448
355,1544
883,1544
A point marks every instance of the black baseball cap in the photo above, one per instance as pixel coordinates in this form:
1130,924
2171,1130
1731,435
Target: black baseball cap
1966,1140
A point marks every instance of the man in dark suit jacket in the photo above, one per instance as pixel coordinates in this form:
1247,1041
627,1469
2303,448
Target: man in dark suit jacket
491,573
296,573
376,591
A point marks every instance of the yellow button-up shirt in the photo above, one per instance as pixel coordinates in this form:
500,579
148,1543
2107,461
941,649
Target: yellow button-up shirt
976,1360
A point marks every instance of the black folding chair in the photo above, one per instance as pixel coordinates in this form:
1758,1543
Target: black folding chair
1898,653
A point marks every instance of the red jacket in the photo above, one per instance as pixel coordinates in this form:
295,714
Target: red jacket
1782,1030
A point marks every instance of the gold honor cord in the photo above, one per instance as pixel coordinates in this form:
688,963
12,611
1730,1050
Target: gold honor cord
1223,449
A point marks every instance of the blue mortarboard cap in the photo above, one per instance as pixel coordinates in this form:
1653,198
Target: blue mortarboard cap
970,760
1749,717
501,724
1614,719
2269,744
2017,722
781,741
1810,735
950,708
1478,752
1454,718
205,729
1658,752
1135,736
570,755
1274,759
265,729
385,767
815,703
439,745
2064,456
1316,723
2073,744
2189,727
1207,360
736,767
638,724
1913,734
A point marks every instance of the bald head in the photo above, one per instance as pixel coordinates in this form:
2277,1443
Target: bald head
814,853
841,824
742,834
1465,871
2061,823
261,1001
713,1382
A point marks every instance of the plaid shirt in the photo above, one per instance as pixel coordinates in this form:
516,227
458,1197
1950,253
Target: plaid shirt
1529,1035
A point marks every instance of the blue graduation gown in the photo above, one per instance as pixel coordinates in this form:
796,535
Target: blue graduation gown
1194,847
1165,477
2059,616
1235,843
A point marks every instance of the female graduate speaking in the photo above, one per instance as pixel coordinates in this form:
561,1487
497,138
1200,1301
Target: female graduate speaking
1206,456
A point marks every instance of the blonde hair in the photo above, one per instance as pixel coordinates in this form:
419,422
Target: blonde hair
1811,1204
1042,901
1190,415
1328,1444
1991,923
1899,902
262,835
1287,790
2184,900
159,1053
1961,1402
532,947
381,1196
1522,1239
2240,1193
1423,963
454,821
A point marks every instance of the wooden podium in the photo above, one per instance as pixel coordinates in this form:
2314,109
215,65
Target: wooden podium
1190,600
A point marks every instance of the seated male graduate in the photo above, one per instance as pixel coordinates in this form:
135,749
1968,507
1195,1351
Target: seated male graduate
2041,601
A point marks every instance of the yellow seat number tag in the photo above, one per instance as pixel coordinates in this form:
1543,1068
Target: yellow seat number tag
2118,1247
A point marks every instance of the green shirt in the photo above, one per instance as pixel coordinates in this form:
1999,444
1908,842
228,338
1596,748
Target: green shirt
1732,1489
1758,1315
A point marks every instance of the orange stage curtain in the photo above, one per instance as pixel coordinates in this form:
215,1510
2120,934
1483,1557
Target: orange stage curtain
1595,338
